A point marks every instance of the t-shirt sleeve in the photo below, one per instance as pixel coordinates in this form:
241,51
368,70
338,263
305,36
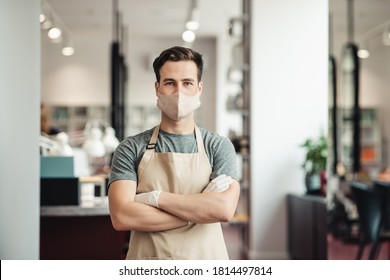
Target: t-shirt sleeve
225,159
123,166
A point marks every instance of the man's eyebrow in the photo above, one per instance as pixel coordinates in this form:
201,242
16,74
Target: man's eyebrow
168,80
173,80
188,80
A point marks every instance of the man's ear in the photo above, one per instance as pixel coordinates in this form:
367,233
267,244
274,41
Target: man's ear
156,85
200,87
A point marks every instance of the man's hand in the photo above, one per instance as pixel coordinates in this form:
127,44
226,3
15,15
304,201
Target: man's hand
148,198
219,184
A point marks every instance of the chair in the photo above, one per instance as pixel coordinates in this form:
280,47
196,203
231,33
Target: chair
369,207
383,188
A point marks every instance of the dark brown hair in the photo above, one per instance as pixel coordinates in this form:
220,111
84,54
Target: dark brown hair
178,54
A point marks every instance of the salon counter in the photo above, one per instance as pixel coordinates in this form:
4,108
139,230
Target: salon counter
82,232
98,208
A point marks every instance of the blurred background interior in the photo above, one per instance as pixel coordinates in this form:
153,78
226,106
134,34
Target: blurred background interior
300,88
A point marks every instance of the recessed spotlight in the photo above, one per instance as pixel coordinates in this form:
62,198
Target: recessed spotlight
54,33
188,36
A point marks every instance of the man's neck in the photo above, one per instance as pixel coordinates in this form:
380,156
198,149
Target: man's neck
183,126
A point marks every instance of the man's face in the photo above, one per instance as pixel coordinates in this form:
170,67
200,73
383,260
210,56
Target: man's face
178,76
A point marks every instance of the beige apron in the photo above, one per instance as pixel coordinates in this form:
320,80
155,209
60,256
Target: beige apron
180,173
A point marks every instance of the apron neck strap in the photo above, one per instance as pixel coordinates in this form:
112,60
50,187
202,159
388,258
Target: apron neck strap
150,148
149,151
199,140
153,140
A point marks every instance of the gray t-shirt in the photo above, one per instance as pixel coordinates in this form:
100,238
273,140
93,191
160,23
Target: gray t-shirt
219,150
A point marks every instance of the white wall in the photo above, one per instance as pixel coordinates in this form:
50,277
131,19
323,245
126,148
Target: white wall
81,79
289,103
19,126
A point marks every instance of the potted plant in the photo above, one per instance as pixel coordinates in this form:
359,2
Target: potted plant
314,164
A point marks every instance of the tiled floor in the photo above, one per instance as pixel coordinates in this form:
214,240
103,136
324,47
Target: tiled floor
337,249
340,250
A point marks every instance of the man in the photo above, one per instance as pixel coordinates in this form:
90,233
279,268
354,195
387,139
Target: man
173,185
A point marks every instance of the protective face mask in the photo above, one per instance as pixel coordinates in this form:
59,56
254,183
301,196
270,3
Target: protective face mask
179,105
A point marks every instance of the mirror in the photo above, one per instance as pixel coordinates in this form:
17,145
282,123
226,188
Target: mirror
371,21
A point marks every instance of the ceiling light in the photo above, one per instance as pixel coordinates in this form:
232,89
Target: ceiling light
363,53
46,24
54,33
193,18
56,30
42,18
192,25
188,36
67,51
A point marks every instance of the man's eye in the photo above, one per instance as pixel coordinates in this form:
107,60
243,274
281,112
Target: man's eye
188,83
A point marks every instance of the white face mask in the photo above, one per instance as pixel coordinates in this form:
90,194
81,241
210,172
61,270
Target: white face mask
179,105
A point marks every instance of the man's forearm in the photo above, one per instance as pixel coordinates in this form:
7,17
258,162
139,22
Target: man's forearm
203,207
141,217
129,215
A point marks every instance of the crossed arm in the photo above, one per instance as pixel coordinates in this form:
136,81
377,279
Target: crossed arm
174,210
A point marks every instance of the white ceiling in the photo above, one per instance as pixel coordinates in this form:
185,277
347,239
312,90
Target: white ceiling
145,17
367,16
167,17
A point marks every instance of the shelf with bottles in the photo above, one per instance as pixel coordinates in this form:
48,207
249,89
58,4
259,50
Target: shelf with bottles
369,155
72,119
237,100
370,138
242,215
140,118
